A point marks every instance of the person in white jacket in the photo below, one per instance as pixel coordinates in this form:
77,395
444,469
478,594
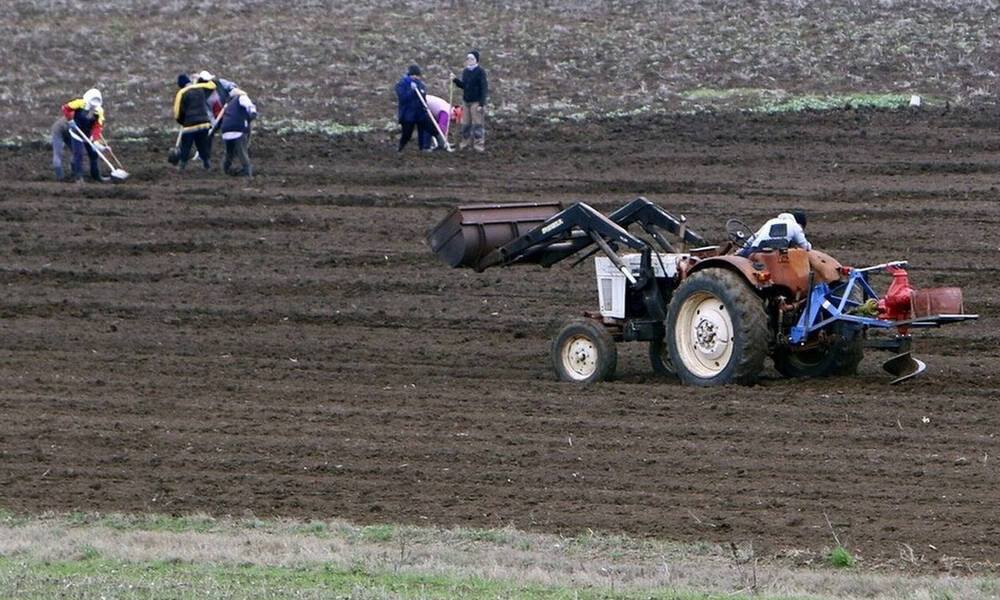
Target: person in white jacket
789,226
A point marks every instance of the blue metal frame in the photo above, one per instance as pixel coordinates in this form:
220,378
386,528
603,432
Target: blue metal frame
826,305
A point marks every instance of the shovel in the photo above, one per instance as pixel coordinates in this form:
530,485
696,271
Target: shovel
116,172
174,156
111,153
447,146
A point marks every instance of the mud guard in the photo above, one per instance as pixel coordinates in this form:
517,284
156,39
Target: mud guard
737,264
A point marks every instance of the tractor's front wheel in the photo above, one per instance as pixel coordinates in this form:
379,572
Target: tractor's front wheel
584,352
717,329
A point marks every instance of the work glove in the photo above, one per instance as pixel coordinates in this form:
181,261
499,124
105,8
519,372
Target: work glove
413,86
456,81
100,147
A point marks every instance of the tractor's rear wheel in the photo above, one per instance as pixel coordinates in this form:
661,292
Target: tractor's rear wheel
659,357
839,357
717,329
584,352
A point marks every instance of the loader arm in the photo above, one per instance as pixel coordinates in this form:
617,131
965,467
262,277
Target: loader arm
487,235
651,217
563,234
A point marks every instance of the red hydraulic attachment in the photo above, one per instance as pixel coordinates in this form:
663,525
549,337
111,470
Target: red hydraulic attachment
897,304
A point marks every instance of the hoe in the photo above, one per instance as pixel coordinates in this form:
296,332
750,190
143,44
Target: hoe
710,317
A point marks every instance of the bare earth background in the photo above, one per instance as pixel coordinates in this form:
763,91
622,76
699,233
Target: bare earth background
187,343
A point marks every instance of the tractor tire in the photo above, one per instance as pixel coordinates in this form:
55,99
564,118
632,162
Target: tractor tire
717,330
839,358
659,357
584,352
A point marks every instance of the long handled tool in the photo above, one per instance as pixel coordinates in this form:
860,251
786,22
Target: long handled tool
451,98
116,173
447,146
174,156
111,153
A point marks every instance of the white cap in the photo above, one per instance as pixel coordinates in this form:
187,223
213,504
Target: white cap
93,98
206,76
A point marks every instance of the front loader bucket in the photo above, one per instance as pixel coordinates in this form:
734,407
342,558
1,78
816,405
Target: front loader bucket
903,366
471,232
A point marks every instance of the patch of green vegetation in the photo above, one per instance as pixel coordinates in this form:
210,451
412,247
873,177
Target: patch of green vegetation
776,101
378,533
326,127
840,558
119,522
704,94
836,101
8,518
93,576
310,528
499,537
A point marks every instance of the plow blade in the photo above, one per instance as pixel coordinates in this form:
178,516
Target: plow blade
903,366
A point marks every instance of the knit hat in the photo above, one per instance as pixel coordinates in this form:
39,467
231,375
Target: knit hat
800,217
413,70
183,80
475,54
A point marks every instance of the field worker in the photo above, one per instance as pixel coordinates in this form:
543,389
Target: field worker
441,111
235,127
86,116
473,84
789,226
191,111
411,110
220,96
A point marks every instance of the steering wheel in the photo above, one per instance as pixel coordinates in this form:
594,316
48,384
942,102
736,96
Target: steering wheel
739,233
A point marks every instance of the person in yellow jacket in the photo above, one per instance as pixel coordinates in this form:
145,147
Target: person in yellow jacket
85,116
191,112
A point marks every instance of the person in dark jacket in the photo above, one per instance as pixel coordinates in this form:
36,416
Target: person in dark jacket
235,127
86,117
474,86
191,111
410,90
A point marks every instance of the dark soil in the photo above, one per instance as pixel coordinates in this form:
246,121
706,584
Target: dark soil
192,343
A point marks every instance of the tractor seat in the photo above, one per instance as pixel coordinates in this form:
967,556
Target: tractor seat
773,244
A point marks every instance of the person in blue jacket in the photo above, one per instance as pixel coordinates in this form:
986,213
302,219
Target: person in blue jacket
412,113
235,126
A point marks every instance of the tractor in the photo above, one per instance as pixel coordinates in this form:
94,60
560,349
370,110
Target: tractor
709,315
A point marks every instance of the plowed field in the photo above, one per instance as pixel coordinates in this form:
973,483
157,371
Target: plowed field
188,342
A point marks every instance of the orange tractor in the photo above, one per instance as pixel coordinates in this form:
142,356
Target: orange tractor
709,316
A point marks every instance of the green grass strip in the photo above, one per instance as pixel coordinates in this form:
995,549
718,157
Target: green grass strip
95,577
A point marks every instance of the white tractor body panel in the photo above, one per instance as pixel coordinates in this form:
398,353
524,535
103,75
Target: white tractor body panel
611,282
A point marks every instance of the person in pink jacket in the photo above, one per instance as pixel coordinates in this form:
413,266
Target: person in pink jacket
441,111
